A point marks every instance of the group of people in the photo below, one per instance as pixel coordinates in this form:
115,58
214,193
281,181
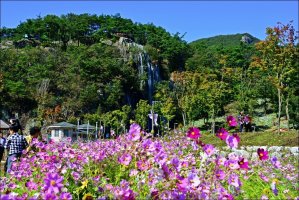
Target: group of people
16,143
244,122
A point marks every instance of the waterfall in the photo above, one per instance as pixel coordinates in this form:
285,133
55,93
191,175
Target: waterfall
143,61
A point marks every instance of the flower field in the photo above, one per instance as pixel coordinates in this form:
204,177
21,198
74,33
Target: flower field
138,166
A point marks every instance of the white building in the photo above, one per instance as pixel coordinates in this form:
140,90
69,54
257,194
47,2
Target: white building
61,130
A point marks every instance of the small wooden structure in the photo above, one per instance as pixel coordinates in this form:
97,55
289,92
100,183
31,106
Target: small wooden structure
86,131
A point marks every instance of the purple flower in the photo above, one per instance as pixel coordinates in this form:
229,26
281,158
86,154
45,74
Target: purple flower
232,164
263,177
234,180
193,133
263,155
31,185
50,196
194,180
66,196
273,187
220,174
231,121
275,162
222,134
75,175
125,159
142,165
232,142
209,149
183,184
135,132
53,183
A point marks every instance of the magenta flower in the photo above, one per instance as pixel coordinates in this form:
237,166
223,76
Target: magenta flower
243,163
66,196
220,174
235,135
135,132
231,121
222,133
263,155
231,141
209,149
193,133
183,184
53,183
125,159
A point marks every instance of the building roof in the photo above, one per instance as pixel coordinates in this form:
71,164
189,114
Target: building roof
62,125
3,125
84,126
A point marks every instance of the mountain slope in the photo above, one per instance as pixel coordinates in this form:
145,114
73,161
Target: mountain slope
226,40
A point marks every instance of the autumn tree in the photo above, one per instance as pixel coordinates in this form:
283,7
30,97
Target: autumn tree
277,57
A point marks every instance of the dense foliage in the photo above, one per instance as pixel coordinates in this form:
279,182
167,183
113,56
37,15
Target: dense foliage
77,66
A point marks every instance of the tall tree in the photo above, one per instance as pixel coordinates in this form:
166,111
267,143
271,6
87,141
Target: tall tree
277,57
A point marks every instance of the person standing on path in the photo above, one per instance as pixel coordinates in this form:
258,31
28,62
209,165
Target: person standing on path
15,144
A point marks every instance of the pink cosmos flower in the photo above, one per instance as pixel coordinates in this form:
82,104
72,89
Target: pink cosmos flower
193,133
231,141
135,132
263,177
142,165
234,180
222,134
231,121
125,159
232,164
235,135
66,196
263,155
53,183
209,149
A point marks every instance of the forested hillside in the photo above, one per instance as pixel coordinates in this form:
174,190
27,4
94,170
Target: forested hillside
226,40
108,68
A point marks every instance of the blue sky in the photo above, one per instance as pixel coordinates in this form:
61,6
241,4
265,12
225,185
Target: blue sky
198,19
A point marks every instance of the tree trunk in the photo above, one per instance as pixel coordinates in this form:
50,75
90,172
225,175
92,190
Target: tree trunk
213,122
279,108
184,118
287,112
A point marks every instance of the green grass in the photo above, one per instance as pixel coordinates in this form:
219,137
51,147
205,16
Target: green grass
266,138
